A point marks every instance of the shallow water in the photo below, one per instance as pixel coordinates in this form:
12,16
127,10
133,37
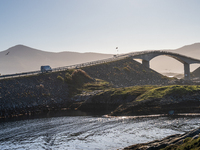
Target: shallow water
91,133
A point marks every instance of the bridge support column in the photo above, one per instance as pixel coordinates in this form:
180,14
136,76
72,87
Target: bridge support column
186,71
145,62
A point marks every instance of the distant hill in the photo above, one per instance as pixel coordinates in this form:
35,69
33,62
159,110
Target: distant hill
21,58
192,50
165,64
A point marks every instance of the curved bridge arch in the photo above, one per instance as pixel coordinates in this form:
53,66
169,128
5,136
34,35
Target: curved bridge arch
148,55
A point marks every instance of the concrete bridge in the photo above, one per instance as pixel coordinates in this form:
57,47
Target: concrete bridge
146,56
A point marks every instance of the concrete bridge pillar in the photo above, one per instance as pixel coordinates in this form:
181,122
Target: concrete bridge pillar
186,71
145,62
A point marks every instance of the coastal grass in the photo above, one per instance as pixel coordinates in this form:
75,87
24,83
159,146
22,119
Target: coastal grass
176,90
60,78
154,92
107,87
125,92
68,78
141,92
126,69
98,84
78,81
117,68
188,144
134,90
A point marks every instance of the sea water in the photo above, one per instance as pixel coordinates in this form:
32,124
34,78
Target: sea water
90,132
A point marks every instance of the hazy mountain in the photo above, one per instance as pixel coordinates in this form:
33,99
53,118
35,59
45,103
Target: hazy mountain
190,50
166,64
21,58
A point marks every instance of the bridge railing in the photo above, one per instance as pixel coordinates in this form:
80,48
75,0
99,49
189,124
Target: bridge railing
90,63
164,52
19,74
65,67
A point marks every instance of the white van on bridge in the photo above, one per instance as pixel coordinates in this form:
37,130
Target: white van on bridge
45,69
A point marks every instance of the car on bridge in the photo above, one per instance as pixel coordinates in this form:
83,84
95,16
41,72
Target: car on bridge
46,69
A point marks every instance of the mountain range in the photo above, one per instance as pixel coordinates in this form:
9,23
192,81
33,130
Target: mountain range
22,58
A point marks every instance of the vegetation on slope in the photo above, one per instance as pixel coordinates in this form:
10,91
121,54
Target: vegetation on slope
144,92
126,72
162,99
98,84
189,144
128,91
78,81
160,92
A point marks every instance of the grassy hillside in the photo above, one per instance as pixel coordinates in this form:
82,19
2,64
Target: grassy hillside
143,100
161,92
126,72
162,99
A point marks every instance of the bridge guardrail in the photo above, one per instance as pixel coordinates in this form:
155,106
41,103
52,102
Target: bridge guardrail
19,74
90,63
64,68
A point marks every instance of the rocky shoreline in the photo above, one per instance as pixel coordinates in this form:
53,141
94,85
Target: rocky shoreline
176,139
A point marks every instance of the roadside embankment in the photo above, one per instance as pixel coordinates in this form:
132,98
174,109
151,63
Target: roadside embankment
40,93
126,72
25,95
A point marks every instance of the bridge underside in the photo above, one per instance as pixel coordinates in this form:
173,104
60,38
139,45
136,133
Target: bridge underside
186,61
186,68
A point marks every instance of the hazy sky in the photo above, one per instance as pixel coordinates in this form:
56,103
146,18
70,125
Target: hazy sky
99,25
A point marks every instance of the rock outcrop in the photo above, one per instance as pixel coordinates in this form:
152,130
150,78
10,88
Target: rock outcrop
176,101
170,140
